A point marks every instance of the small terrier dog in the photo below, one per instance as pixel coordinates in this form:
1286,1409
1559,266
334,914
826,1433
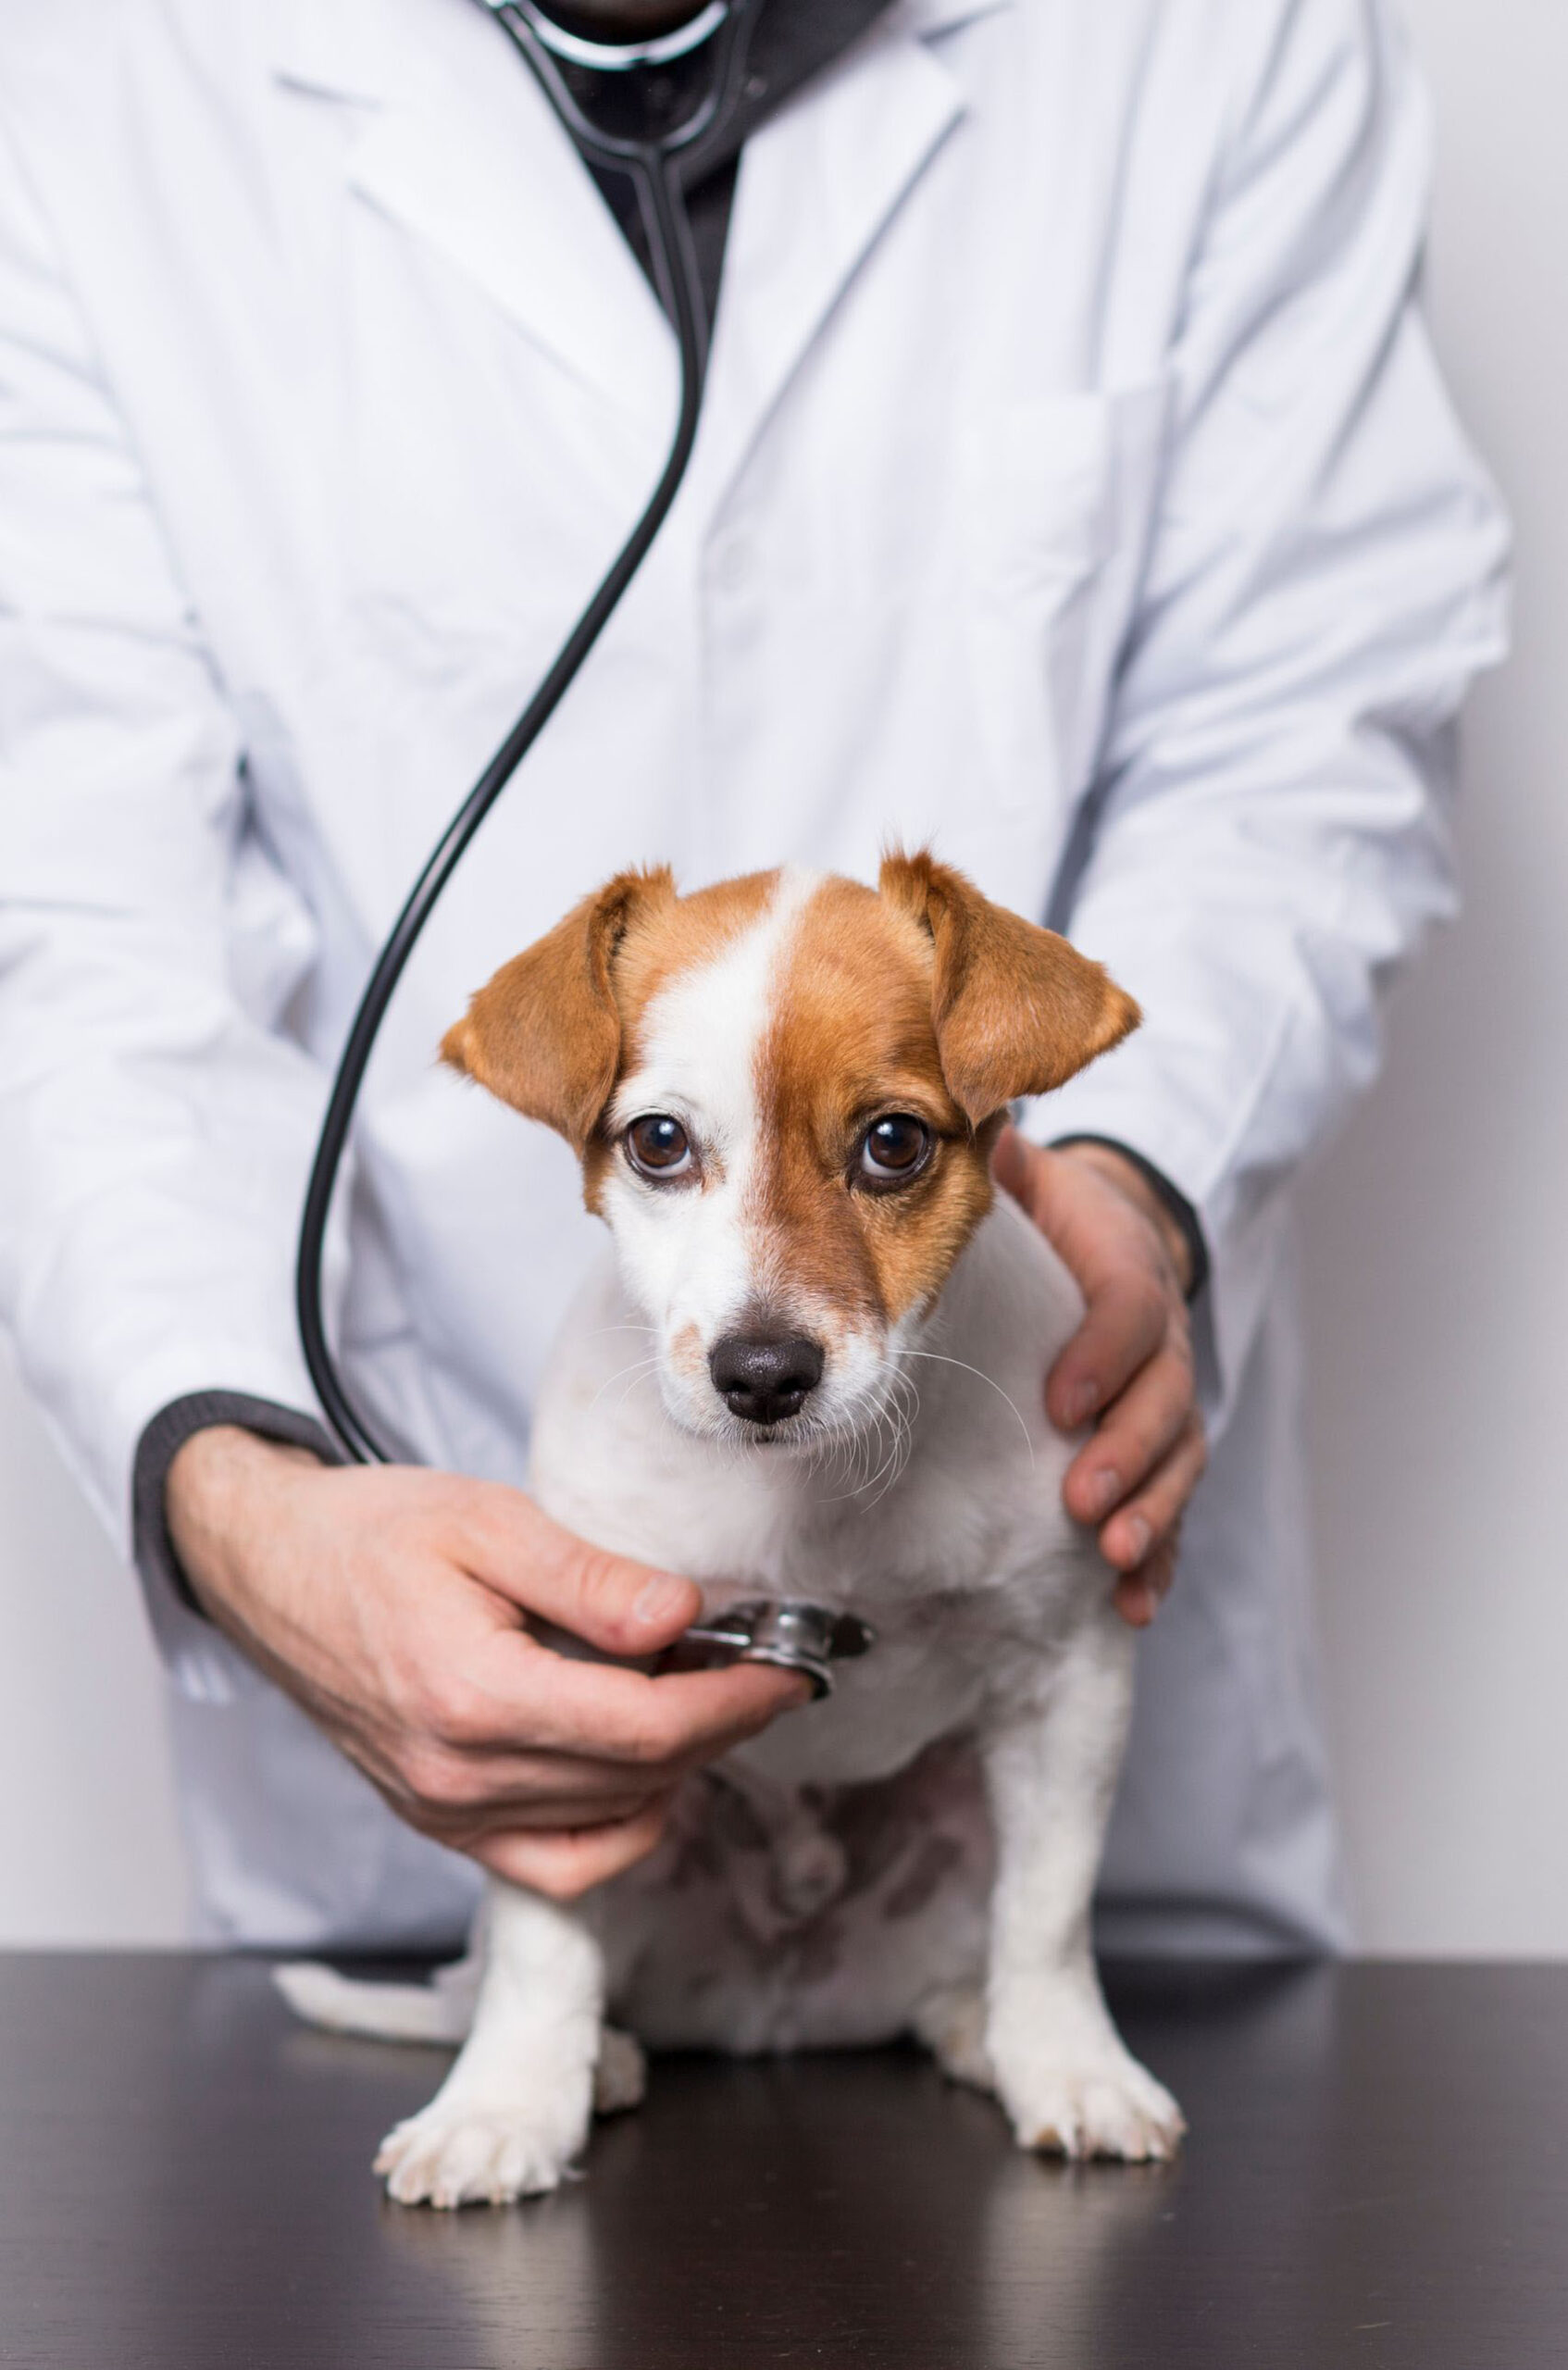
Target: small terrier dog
785,1091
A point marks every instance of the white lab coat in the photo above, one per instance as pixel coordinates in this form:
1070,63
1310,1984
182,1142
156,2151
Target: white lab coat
1075,490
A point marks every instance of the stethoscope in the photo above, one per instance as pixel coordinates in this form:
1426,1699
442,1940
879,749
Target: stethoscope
624,117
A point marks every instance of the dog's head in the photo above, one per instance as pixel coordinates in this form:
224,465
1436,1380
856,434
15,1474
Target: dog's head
785,1092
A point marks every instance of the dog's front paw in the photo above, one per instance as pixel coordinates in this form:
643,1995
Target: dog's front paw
454,2155
1099,2102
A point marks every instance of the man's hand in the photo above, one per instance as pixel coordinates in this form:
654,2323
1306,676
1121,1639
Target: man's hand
392,1602
1128,1367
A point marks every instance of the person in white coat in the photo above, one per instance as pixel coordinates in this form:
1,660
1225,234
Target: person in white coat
1075,490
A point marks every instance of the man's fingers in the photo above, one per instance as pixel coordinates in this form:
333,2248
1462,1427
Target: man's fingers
601,1741
619,1606
1139,1595
1154,1515
604,1713
533,1816
471,1792
1140,1431
1123,1328
565,1864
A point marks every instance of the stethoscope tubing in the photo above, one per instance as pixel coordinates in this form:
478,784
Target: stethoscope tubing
655,169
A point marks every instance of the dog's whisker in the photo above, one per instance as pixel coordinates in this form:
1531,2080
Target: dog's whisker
940,1358
885,1420
638,1367
898,1452
884,1468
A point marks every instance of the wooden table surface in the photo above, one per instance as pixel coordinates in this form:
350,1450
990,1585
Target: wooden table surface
1376,2176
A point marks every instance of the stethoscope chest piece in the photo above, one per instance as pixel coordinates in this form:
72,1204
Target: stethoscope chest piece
789,1634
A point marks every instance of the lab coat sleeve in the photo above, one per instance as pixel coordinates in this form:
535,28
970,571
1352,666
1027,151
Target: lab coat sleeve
154,1127
1269,825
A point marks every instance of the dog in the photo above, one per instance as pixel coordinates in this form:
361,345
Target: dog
784,1092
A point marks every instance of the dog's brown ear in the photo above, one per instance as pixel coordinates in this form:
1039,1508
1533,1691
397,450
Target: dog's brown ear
545,1033
1018,1010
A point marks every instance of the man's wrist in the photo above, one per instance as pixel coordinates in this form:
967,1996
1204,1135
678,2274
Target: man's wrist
199,1415
220,1481
216,1463
1168,1211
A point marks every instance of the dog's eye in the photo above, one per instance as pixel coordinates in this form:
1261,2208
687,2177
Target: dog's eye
659,1146
894,1148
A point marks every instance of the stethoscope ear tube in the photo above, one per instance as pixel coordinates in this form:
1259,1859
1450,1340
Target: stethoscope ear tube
654,166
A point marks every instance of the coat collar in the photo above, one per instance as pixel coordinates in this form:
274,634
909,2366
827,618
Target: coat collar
457,142
818,183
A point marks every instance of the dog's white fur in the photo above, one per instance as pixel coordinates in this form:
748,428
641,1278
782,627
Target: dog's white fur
981,1738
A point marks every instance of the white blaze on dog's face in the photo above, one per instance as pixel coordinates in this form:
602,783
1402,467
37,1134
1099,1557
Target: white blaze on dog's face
785,1091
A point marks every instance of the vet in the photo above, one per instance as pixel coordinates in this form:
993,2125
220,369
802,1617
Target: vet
1075,490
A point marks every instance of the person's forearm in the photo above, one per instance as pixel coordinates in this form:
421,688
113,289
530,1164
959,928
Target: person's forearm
215,1494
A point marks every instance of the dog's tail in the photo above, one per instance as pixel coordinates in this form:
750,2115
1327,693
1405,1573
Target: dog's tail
441,2011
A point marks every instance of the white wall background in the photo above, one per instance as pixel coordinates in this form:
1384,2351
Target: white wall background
1436,1268
1438,1282
89,1852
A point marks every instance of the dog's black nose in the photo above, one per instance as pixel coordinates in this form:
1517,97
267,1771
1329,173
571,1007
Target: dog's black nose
763,1376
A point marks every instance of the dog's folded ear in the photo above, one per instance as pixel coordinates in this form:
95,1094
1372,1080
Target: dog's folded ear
546,1034
1018,1010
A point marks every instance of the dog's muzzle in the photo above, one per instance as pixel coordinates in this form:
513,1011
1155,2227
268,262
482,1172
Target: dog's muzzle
791,1636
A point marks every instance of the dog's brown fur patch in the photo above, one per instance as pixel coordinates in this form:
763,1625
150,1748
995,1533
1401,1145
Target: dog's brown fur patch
922,997
1018,1010
850,1039
545,1033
